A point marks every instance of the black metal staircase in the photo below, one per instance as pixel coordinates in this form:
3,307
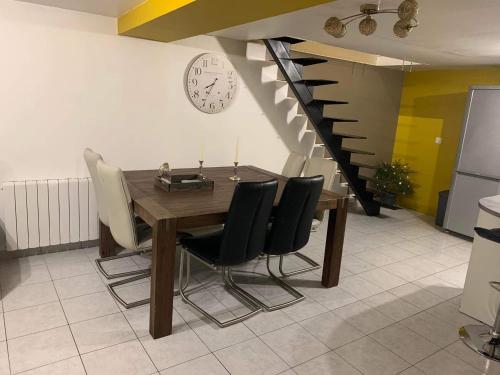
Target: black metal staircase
303,89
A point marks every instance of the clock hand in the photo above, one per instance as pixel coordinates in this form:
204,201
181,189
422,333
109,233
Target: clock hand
213,83
208,92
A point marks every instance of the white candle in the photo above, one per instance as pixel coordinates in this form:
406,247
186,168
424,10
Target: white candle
202,150
237,156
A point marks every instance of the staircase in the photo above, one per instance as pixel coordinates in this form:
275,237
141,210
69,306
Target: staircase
291,70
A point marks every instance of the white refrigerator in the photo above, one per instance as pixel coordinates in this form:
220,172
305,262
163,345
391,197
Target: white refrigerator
477,171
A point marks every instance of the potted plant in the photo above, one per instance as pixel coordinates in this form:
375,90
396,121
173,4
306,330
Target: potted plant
392,180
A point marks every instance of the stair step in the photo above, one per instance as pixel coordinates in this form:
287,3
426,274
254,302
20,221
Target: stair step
336,119
306,61
316,82
346,135
326,102
363,165
355,151
288,39
366,178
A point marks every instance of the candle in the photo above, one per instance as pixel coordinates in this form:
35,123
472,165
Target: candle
237,156
202,150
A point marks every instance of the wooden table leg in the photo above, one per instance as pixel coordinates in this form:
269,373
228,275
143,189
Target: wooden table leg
334,244
107,244
162,278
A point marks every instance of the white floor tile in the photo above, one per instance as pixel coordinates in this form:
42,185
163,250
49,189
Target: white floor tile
445,363
4,359
29,295
99,333
448,313
406,271
124,359
138,318
267,322
217,338
392,306
331,298
3,335
331,330
207,365
433,329
359,287
326,364
484,365
89,306
455,275
71,366
74,265
304,310
174,349
371,358
405,343
294,344
438,287
416,296
251,357
39,349
363,317
79,286
382,279
34,319
375,257
23,274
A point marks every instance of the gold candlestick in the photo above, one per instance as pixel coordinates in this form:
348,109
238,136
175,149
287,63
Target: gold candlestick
235,177
200,171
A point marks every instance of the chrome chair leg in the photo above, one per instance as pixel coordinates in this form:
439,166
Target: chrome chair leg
116,296
484,339
312,263
99,262
277,280
185,297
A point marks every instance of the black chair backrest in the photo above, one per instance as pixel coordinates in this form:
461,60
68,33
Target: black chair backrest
292,221
245,231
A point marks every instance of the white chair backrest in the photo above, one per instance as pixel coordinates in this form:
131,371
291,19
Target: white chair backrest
91,159
320,166
294,165
119,205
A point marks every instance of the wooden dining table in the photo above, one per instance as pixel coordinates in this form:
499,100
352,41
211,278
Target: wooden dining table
170,212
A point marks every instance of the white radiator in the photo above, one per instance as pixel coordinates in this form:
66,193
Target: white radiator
40,213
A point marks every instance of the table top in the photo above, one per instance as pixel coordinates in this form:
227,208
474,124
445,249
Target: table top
491,205
198,208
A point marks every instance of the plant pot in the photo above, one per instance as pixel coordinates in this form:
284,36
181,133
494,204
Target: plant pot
387,199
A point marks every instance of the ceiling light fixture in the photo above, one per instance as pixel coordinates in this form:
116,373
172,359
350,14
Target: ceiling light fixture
407,12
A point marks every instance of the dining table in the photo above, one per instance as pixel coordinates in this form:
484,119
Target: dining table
168,213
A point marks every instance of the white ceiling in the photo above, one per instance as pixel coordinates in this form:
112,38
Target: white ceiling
451,32
111,8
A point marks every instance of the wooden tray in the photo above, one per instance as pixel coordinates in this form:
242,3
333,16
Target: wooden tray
185,182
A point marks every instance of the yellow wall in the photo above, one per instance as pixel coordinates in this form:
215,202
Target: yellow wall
433,105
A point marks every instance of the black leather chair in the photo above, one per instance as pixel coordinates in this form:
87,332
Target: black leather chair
242,239
290,230
482,338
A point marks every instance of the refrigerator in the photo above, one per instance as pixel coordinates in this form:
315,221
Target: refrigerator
477,170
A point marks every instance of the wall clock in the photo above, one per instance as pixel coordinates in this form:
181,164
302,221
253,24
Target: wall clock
211,83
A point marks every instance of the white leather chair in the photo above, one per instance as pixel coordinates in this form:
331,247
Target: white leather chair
326,168
122,223
294,165
91,158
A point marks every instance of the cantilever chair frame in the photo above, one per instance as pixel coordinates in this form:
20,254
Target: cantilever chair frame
229,284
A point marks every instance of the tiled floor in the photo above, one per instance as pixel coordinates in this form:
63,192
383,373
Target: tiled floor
394,312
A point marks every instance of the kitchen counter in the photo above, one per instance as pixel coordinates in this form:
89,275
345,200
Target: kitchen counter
491,205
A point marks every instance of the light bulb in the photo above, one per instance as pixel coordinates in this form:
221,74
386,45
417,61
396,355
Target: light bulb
335,27
402,28
367,26
408,10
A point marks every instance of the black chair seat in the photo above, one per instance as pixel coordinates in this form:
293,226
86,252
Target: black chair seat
489,234
207,246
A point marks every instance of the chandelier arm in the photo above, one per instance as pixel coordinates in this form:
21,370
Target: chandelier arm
387,11
353,16
359,16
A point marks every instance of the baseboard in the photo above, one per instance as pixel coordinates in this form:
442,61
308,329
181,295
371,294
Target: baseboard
48,249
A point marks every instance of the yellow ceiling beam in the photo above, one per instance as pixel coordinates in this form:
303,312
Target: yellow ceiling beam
169,20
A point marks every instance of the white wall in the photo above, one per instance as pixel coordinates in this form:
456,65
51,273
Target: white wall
67,81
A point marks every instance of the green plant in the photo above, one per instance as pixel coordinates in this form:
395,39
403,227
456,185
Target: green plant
393,178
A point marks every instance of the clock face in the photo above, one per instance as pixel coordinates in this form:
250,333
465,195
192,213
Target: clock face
211,83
